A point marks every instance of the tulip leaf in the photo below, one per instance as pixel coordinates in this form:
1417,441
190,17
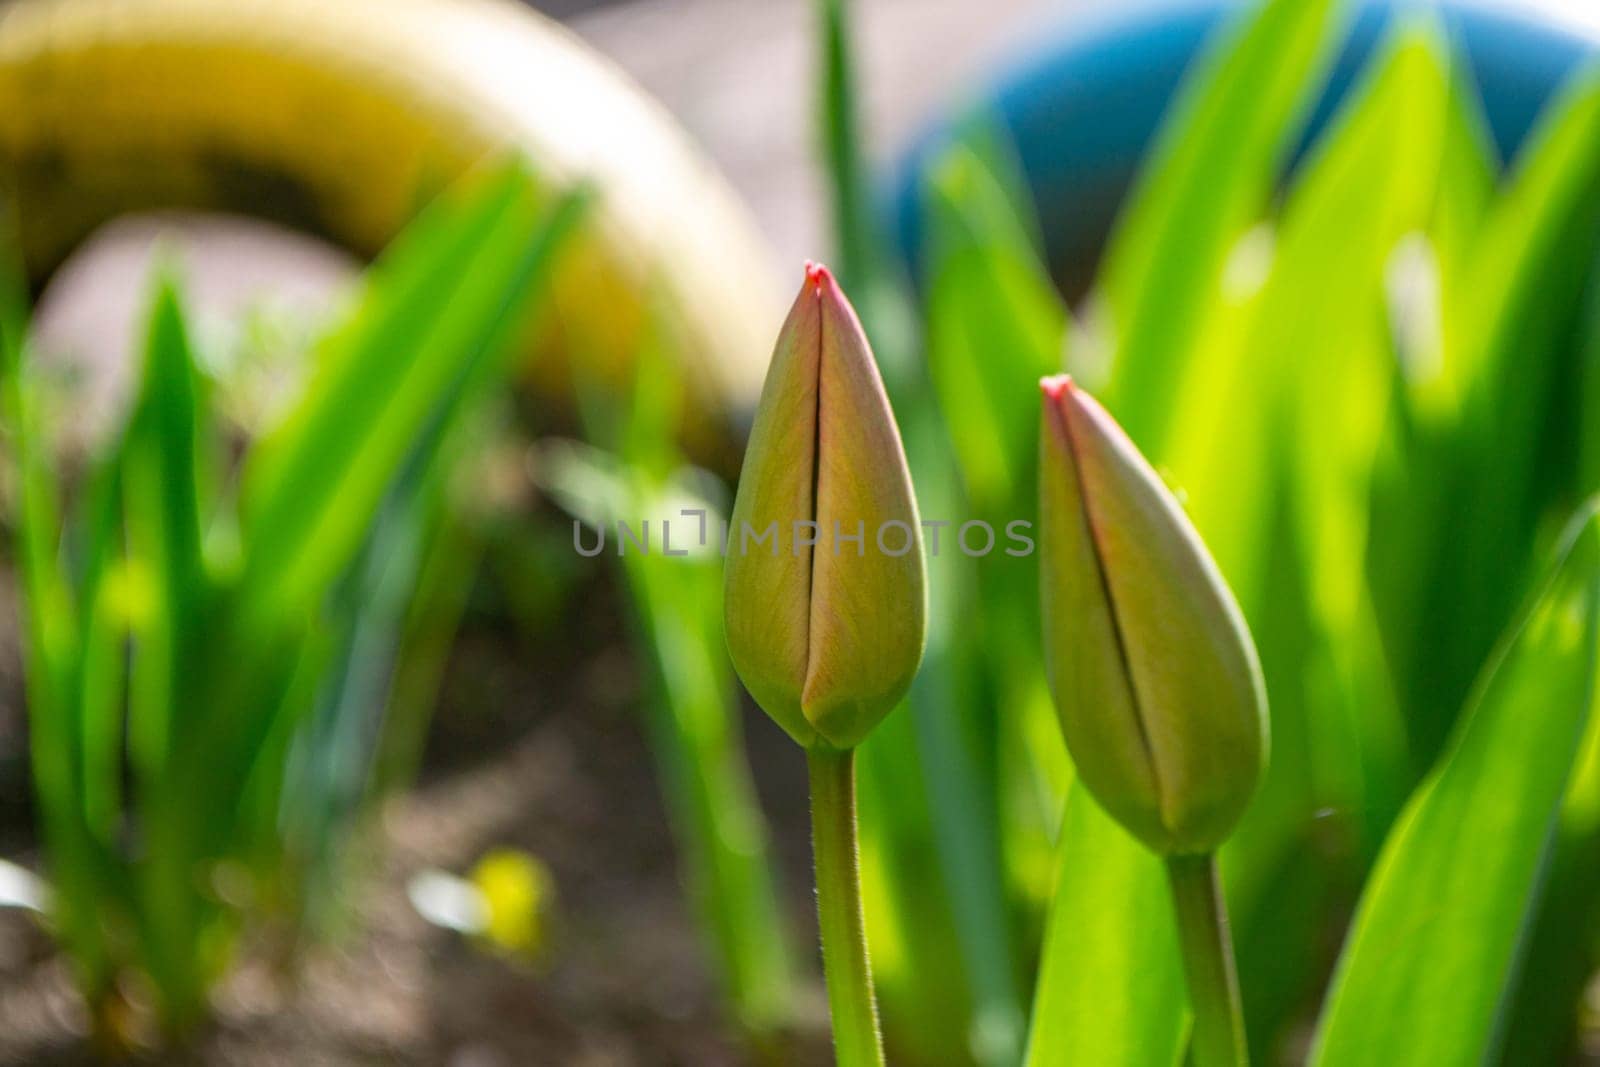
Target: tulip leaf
395,378
1506,395
161,476
1406,497
101,667
995,327
1548,215
1110,986
1589,416
1353,217
444,304
161,469
1193,201
48,613
1294,545
1564,939
1433,952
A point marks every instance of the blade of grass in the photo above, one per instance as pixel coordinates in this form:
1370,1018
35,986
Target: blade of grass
994,327
332,753
1564,937
679,614
160,472
852,218
1407,495
1435,944
77,868
1589,421
444,585
108,608
447,345
1372,182
333,756
1544,1021
1192,201
1289,525
923,986
1511,380
327,471
160,476
1110,989
681,607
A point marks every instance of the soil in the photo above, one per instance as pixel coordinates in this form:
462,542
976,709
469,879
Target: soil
538,747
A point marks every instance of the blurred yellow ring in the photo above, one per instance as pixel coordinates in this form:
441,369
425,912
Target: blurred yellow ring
339,116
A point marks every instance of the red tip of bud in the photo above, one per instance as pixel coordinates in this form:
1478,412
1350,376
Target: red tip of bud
1056,386
818,275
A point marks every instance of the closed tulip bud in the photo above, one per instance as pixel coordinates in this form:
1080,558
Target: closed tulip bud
1150,663
825,600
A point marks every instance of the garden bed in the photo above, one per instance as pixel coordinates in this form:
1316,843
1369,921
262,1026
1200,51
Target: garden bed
537,747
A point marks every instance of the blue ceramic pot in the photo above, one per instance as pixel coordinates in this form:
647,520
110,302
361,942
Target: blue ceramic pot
1082,106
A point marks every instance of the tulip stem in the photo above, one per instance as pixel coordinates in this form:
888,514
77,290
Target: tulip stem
1218,1037
851,1002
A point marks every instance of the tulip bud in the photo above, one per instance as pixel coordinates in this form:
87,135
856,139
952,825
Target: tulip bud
1150,663
825,599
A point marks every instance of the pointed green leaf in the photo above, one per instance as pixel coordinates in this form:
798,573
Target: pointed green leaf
331,468
49,613
1434,948
1372,185
160,476
1195,198
995,326
1110,986
449,298
1501,404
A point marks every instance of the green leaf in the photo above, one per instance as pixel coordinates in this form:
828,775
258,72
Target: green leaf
1372,181
48,606
995,327
48,615
1371,185
332,468
1434,949
1564,939
1110,986
1406,496
447,301
1589,415
1469,173
102,667
164,594
1211,173
166,570
691,709
865,269
853,223
1546,218
1503,404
